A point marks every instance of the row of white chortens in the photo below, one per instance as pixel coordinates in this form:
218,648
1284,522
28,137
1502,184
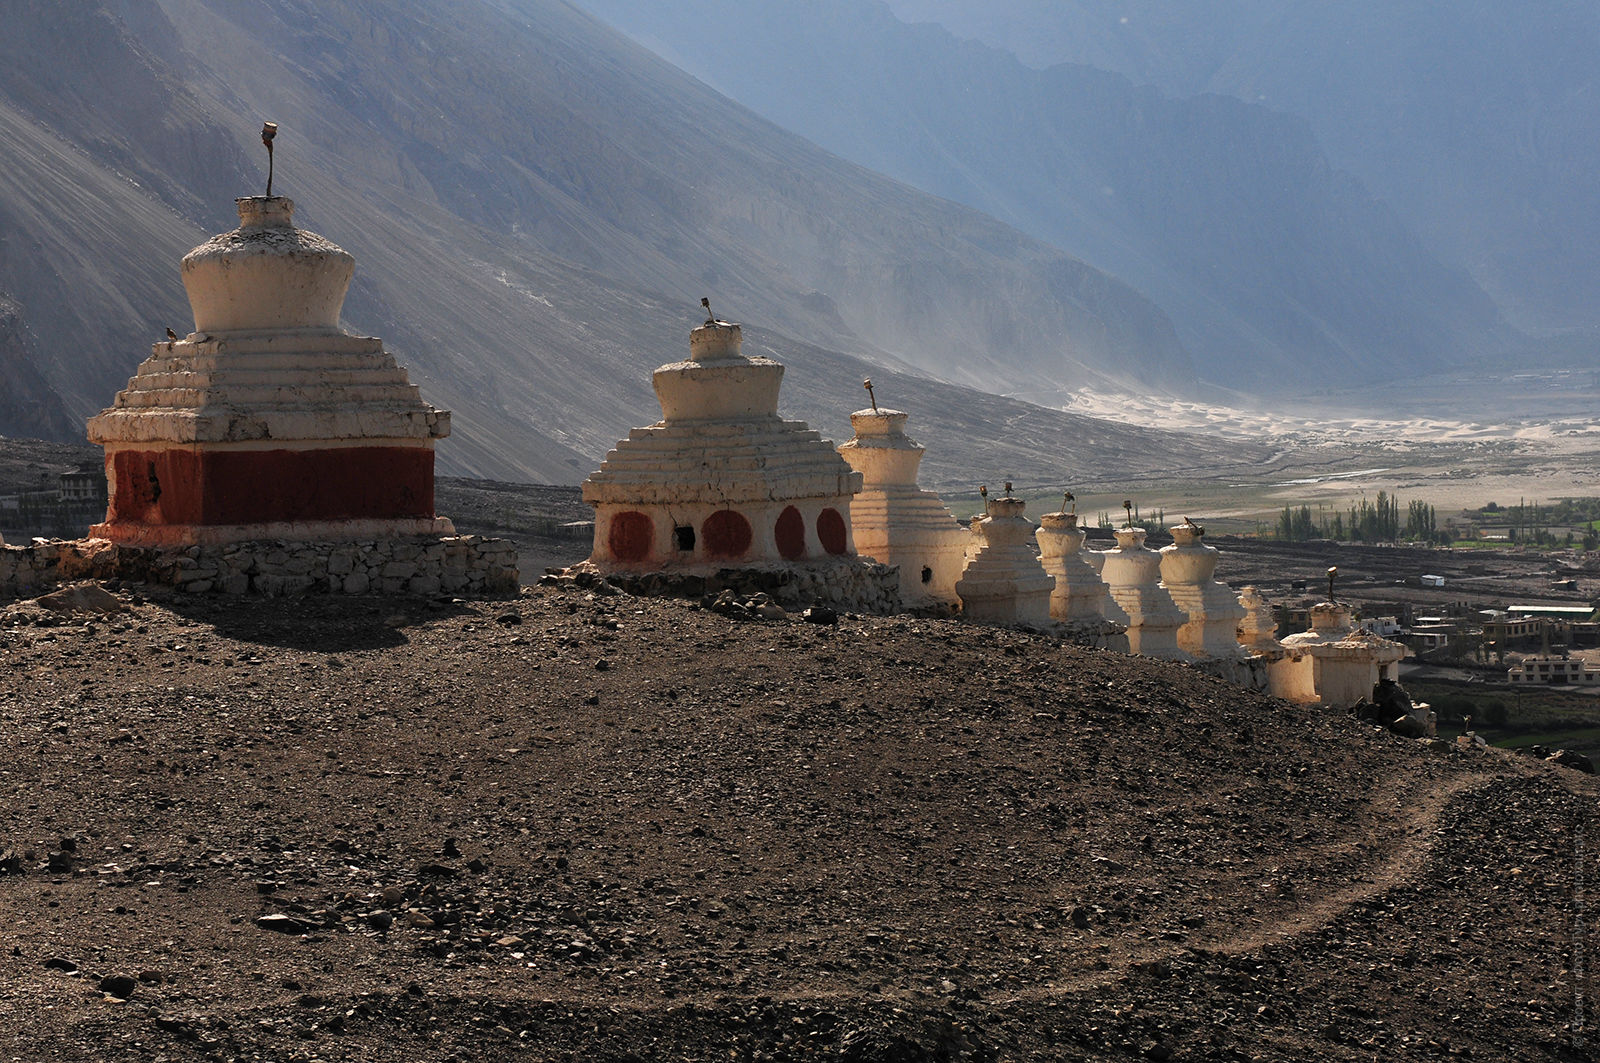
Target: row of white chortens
270,422
722,481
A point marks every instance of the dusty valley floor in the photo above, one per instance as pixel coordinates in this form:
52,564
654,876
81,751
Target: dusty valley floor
568,826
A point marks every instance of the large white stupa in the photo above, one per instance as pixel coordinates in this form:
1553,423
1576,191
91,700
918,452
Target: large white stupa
721,480
268,421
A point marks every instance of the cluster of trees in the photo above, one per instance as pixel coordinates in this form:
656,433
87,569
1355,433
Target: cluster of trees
1365,522
1530,522
1155,525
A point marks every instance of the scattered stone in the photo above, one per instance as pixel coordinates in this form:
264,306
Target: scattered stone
438,870
1569,758
118,985
56,963
279,923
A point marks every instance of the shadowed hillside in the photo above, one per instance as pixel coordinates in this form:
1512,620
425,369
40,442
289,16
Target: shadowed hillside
535,204
577,827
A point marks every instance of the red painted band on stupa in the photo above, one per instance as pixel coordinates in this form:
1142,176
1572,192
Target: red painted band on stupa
200,487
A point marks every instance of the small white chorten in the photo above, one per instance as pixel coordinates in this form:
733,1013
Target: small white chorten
721,480
1080,593
1187,569
1004,582
895,521
1333,663
268,421
1133,574
1258,627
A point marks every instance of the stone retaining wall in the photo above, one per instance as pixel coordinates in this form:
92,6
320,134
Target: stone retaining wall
467,565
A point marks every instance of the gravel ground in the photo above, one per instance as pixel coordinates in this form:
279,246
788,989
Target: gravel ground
568,826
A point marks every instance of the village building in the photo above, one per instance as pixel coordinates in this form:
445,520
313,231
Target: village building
897,522
721,480
268,421
1004,583
1554,670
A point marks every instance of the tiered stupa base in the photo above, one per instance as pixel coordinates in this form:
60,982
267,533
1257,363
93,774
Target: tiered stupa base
181,495
1004,583
912,529
659,505
897,522
1133,574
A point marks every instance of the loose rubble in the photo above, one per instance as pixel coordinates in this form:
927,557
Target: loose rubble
403,829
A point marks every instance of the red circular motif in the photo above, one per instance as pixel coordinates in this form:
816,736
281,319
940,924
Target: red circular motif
726,534
791,533
831,531
631,536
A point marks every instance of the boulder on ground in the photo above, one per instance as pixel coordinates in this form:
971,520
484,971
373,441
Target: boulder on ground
82,598
1569,758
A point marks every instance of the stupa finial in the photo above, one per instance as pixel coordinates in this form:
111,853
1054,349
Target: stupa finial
269,131
867,383
1127,505
1069,499
1333,574
705,301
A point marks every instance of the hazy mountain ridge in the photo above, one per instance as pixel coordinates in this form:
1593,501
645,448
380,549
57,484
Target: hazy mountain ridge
535,205
1281,272
28,403
1475,120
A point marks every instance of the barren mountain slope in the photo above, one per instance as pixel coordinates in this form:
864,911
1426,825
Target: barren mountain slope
533,203
1282,273
1473,120
604,828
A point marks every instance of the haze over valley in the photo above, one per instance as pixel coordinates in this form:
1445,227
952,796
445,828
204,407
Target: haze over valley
1049,247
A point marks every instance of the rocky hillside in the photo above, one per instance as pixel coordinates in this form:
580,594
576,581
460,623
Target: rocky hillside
536,206
29,403
573,826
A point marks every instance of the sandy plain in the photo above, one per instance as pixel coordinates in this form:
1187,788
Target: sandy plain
1456,443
